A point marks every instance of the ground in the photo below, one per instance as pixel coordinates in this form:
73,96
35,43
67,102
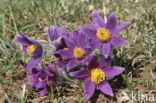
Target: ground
34,16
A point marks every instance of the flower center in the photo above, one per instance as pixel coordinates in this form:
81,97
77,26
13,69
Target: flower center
97,75
30,49
79,53
103,34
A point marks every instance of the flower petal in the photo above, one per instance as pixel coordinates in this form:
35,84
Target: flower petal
38,52
33,77
119,28
117,41
113,71
44,92
106,49
93,63
74,34
86,60
73,63
24,40
41,84
112,21
65,53
105,62
31,64
82,74
60,45
89,31
81,40
36,70
55,32
94,44
98,19
89,88
106,88
69,42
62,64
52,68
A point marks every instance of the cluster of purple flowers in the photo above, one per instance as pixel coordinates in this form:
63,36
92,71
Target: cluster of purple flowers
89,50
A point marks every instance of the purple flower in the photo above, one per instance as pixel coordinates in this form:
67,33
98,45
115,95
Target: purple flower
95,76
77,51
56,35
105,34
41,78
32,48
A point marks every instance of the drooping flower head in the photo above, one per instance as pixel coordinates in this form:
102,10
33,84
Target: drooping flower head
40,78
95,76
56,35
77,50
31,47
104,34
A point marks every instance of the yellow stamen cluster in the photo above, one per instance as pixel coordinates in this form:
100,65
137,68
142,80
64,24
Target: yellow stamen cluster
103,34
79,53
30,49
97,75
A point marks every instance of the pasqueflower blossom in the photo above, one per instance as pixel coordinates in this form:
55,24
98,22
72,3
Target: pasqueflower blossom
95,76
104,34
32,48
56,35
41,78
77,51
